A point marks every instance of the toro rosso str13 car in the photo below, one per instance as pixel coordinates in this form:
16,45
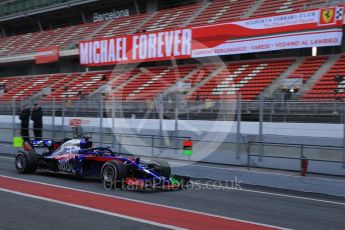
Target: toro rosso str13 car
78,157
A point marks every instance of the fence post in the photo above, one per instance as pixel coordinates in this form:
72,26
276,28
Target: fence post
63,118
177,110
285,111
248,155
261,120
161,111
303,162
271,111
13,117
187,108
302,151
153,145
53,118
101,121
113,114
344,138
238,133
222,108
113,120
120,140
75,108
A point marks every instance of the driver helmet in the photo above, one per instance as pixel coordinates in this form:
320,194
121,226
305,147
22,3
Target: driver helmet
85,143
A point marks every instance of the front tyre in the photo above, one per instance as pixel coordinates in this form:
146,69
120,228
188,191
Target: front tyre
112,174
26,162
162,167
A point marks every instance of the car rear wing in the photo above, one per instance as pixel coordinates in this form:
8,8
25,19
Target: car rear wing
41,143
31,145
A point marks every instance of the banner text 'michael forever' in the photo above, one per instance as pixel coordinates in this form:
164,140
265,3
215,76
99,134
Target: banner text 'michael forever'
153,45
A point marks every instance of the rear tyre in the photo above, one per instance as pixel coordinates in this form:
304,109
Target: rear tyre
113,174
26,162
162,167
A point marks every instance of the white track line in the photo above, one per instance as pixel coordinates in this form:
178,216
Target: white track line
93,210
271,193
12,158
145,202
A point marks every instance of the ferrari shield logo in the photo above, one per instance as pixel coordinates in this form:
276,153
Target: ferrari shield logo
327,16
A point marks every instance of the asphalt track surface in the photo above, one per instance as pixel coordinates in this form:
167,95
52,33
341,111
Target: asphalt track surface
285,209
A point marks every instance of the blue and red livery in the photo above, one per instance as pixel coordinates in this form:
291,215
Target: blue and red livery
77,157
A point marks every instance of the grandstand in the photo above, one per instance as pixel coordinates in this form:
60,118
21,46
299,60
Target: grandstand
249,75
247,78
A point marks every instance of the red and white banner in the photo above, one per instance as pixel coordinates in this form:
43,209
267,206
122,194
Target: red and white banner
78,122
274,42
313,28
47,55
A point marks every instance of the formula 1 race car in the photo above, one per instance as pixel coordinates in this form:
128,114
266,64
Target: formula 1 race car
78,157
